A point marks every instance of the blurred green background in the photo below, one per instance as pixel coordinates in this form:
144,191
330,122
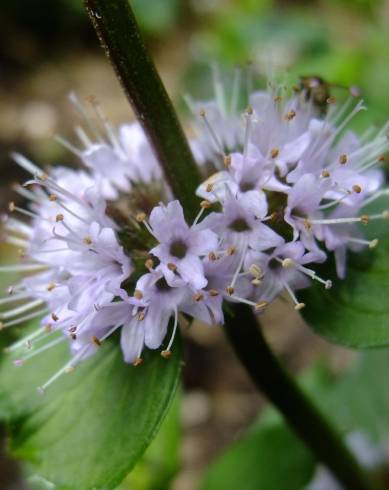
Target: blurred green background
48,48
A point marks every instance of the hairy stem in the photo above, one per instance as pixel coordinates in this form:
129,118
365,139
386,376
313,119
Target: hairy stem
270,378
119,35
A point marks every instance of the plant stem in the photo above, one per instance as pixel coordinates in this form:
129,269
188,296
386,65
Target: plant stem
119,35
269,376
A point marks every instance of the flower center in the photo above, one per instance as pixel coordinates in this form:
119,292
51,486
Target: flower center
240,225
246,186
178,249
162,285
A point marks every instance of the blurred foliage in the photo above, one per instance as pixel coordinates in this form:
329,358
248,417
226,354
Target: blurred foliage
345,42
357,405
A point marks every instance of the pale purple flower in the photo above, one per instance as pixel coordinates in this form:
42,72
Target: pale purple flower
180,245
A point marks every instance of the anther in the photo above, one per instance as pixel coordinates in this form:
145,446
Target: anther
202,113
172,267
288,263
198,297
365,219
325,173
260,305
343,159
255,271
137,362
87,240
357,188
11,207
51,286
209,187
307,224
381,158
213,292
59,217
138,294
54,317
141,316
96,341
274,152
140,217
53,197
355,91
256,282
166,354
249,110
231,250
373,243
277,98
149,264
230,290
290,115
212,256
205,204
299,306
328,284
227,160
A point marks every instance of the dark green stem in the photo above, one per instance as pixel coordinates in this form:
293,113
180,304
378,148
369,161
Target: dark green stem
270,377
119,35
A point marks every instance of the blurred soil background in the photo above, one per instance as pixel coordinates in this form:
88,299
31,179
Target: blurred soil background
48,49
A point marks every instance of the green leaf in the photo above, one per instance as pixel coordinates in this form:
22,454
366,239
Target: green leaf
161,461
91,426
271,457
355,311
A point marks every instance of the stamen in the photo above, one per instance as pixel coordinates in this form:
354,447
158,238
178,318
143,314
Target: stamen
67,368
30,167
21,309
167,353
239,267
44,348
343,159
66,144
83,137
256,271
297,305
370,243
80,109
236,87
24,318
14,297
25,340
214,138
334,221
107,126
12,208
199,214
248,117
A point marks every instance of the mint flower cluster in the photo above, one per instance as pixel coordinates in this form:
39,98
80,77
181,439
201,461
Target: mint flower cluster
106,248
